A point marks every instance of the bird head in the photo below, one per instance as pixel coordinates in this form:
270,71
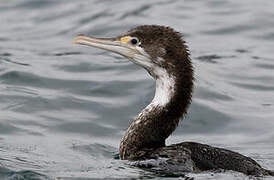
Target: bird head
152,47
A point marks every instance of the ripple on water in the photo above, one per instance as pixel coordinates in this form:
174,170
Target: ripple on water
6,128
90,128
254,87
21,175
213,58
96,150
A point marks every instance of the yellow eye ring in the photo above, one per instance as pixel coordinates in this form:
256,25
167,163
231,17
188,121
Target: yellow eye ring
128,39
125,39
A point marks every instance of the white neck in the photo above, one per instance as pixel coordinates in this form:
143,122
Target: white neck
150,126
165,85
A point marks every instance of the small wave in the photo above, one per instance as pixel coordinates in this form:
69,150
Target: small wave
8,174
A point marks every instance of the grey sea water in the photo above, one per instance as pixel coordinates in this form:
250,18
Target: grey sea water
64,108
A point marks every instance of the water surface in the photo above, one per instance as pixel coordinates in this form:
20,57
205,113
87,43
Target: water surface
64,108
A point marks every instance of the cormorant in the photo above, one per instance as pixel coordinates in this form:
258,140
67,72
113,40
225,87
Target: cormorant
163,53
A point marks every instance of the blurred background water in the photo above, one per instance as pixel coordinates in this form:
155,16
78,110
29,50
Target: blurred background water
64,108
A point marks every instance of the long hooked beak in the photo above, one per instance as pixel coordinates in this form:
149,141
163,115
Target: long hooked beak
110,44
117,45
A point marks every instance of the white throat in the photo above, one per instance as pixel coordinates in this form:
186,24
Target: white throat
165,88
165,85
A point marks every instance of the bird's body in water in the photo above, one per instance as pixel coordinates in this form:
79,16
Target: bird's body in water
163,53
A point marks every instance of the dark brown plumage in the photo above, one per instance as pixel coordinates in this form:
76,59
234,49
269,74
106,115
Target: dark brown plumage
148,139
163,53
160,122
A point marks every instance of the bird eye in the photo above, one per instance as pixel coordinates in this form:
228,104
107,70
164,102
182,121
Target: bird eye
134,41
